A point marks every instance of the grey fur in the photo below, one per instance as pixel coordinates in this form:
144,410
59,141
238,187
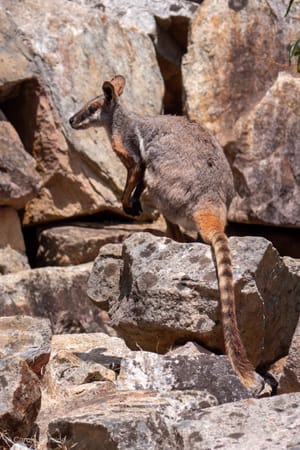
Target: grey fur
185,167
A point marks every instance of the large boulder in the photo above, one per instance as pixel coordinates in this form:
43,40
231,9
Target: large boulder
265,158
233,85
168,292
80,172
235,52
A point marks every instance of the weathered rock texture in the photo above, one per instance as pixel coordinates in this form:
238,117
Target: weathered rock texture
78,360
132,420
80,243
104,281
265,155
24,352
20,399
19,180
198,372
233,85
143,15
48,291
12,248
169,422
290,379
266,423
26,338
67,67
168,293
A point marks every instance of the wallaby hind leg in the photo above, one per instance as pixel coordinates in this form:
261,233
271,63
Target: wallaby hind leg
211,222
173,231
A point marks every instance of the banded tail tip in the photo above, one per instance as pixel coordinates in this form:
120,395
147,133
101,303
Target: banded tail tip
261,387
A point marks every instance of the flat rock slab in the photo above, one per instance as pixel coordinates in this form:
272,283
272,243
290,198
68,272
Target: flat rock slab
27,338
160,292
163,373
80,243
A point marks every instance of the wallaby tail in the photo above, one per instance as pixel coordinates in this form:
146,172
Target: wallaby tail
233,343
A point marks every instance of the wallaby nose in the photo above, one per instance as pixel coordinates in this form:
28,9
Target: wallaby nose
71,120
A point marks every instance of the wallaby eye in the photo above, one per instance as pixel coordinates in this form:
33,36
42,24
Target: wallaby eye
92,109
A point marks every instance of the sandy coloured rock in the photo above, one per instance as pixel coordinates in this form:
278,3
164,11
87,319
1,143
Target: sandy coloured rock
233,85
13,256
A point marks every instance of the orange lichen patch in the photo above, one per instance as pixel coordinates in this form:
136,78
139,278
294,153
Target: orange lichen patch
210,221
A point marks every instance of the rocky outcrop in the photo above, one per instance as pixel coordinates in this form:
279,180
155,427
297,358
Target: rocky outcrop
174,412
80,173
236,89
13,256
168,292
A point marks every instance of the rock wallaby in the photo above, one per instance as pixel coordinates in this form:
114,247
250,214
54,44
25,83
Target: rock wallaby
189,181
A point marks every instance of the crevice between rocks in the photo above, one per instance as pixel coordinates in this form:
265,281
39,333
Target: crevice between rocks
170,45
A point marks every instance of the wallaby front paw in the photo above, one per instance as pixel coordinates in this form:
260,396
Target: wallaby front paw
134,209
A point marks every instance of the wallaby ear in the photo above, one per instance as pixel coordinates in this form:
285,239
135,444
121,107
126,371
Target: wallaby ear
118,82
113,88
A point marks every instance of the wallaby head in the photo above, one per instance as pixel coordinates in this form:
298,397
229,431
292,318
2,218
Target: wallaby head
98,112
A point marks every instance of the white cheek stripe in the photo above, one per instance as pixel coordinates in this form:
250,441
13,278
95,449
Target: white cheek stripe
141,143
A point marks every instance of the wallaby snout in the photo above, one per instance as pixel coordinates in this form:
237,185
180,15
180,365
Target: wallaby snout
71,122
